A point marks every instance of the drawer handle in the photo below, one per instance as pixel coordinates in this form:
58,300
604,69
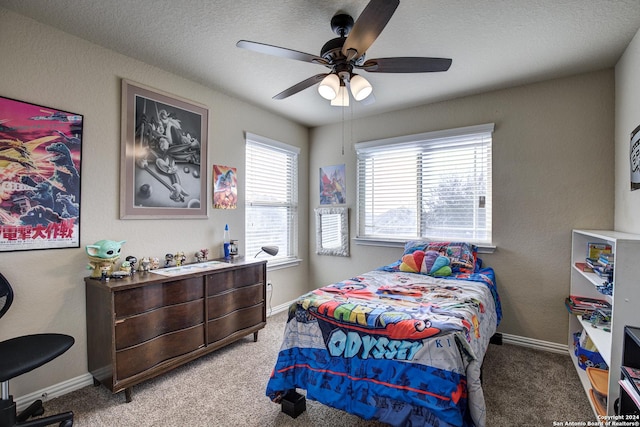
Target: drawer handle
120,321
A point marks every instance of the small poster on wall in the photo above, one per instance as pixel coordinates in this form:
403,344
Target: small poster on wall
225,187
333,188
40,150
634,158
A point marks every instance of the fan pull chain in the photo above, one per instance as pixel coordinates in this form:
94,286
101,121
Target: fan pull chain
343,131
350,130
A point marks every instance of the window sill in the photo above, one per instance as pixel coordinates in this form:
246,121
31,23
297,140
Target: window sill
483,248
285,263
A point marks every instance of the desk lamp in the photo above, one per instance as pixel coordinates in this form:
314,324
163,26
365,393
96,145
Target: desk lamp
271,250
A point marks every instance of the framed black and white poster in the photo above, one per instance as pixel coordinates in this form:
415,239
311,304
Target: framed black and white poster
164,155
40,156
634,158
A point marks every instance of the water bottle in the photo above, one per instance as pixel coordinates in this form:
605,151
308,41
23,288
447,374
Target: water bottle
227,241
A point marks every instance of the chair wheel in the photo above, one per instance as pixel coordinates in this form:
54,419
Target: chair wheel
67,423
38,412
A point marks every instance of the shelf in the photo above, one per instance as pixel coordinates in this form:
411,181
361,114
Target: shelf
592,277
600,338
624,301
595,280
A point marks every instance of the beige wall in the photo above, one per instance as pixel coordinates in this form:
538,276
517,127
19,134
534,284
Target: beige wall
552,171
627,211
48,67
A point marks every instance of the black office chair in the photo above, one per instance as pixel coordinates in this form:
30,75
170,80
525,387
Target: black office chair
23,354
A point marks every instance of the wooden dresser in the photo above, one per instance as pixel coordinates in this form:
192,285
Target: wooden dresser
147,324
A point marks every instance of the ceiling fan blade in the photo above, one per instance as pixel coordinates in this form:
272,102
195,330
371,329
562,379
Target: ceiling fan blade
406,65
281,51
368,27
301,86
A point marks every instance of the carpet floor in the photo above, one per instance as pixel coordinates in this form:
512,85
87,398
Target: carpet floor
522,386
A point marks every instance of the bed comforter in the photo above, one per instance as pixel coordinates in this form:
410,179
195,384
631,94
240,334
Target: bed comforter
401,348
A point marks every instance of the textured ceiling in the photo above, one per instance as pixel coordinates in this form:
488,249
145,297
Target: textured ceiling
493,43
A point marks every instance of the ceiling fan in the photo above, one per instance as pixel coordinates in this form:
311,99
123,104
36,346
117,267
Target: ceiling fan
347,52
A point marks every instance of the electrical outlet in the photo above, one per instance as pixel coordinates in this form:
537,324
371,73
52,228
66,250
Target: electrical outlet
269,286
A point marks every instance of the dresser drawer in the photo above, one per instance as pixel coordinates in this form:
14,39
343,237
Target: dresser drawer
145,298
227,302
143,327
224,280
225,326
135,360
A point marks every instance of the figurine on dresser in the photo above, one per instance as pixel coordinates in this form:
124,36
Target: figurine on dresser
103,256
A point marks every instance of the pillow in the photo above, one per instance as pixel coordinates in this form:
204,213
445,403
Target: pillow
412,263
429,262
461,254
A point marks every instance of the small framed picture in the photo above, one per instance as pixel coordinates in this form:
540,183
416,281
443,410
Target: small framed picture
333,186
225,187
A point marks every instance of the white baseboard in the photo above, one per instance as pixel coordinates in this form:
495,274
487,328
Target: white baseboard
279,308
54,391
536,344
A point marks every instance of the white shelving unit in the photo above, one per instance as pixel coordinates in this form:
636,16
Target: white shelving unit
625,301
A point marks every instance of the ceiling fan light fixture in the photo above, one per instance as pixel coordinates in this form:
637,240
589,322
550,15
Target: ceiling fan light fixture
342,99
360,87
329,87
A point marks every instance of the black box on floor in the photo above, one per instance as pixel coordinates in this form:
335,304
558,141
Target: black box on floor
293,403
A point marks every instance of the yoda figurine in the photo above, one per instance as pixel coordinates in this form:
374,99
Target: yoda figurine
102,257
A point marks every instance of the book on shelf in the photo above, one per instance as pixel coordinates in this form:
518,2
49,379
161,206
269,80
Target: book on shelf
578,310
572,309
592,262
604,272
606,258
631,390
633,376
583,266
595,249
589,302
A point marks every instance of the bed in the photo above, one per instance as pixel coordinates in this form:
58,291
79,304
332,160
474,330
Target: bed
398,344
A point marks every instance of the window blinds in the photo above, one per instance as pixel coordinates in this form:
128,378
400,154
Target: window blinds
271,196
435,185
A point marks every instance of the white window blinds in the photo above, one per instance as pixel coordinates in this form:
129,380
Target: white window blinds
435,185
271,197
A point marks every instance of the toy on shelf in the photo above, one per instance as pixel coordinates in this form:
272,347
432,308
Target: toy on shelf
125,267
233,248
132,262
201,255
168,260
102,257
145,264
179,258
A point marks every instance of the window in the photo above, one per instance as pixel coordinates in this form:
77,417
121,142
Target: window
271,198
435,185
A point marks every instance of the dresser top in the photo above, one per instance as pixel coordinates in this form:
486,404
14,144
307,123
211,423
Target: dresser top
185,271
